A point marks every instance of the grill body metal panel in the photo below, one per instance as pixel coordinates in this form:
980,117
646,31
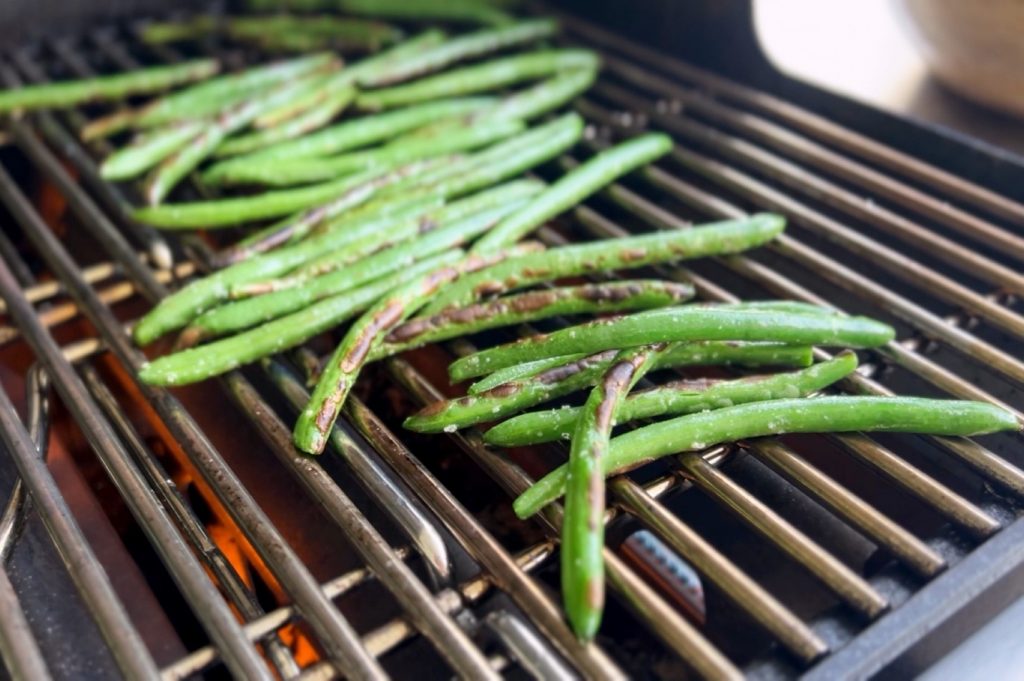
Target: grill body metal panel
856,583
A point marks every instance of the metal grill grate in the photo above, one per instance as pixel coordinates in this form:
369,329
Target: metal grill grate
817,542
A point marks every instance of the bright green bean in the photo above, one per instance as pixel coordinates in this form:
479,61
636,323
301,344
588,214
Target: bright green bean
212,359
576,185
776,417
515,396
350,134
471,11
117,86
683,323
672,400
613,296
545,96
492,75
343,368
719,238
462,47
582,546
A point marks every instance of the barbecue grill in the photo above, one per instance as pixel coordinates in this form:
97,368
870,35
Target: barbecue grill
179,533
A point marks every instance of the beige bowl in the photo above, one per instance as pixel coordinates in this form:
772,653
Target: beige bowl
976,47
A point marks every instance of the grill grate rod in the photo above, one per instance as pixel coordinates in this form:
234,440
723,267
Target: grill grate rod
124,642
335,633
946,183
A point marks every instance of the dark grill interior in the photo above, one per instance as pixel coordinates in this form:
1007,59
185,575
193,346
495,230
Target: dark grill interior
825,555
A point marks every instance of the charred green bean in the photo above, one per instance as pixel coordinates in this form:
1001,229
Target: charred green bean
720,238
515,396
614,296
675,399
212,359
683,323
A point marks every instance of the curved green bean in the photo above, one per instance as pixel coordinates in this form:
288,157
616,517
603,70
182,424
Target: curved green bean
613,296
181,307
117,86
776,417
675,399
350,134
577,185
460,48
545,96
315,117
723,322
515,396
341,371
482,77
582,546
212,359
719,238
182,162
149,150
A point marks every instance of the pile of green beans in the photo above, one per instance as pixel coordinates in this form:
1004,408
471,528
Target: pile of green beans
407,227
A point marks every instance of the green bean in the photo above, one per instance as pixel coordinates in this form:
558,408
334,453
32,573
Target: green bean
302,170
545,96
239,210
343,368
529,369
210,97
323,30
179,308
313,118
182,162
368,242
515,396
196,364
246,313
675,399
719,238
577,185
113,87
614,296
583,522
417,44
682,323
407,10
519,371
461,48
482,77
776,417
349,135
506,159
148,150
